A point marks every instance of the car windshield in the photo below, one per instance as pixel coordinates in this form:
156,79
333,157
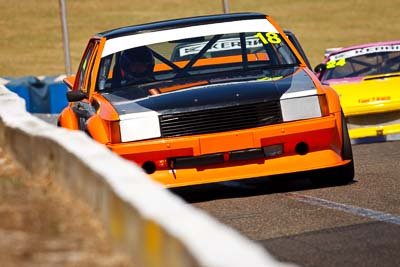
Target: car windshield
363,62
194,57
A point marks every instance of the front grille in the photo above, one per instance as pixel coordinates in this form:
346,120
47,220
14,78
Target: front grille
220,119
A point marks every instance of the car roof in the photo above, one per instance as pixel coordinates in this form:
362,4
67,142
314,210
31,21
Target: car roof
343,49
176,23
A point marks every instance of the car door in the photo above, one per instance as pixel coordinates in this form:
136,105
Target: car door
83,82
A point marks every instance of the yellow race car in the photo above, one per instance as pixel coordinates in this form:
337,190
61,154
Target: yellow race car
367,79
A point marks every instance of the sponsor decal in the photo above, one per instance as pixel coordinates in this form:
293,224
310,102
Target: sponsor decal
373,99
365,51
220,45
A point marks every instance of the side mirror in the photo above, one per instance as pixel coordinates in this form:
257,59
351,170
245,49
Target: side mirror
320,68
76,95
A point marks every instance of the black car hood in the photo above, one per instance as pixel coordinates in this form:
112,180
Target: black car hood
221,94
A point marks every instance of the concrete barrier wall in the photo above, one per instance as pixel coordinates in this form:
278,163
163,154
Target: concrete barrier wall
155,227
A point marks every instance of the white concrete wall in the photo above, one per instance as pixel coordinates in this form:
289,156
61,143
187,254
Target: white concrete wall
145,220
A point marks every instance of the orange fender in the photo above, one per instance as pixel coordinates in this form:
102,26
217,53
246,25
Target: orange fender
68,119
98,129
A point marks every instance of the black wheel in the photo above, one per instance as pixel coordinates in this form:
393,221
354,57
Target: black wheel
338,175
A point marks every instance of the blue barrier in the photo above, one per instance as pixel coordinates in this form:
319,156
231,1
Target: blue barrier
45,95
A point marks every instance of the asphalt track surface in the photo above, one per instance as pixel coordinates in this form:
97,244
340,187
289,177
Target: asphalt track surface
353,225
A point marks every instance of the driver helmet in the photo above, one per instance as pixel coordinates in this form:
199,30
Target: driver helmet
137,64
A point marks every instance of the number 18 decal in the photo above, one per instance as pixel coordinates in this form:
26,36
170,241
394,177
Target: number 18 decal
269,37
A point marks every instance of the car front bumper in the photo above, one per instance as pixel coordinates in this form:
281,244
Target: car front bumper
305,145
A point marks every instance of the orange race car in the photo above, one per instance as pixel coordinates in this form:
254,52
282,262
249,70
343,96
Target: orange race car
208,99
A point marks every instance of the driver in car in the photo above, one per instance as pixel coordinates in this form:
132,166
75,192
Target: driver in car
137,65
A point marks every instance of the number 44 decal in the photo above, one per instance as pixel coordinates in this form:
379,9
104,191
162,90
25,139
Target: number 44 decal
333,64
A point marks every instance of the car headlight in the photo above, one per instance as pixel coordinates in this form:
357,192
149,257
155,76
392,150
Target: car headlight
301,107
139,126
